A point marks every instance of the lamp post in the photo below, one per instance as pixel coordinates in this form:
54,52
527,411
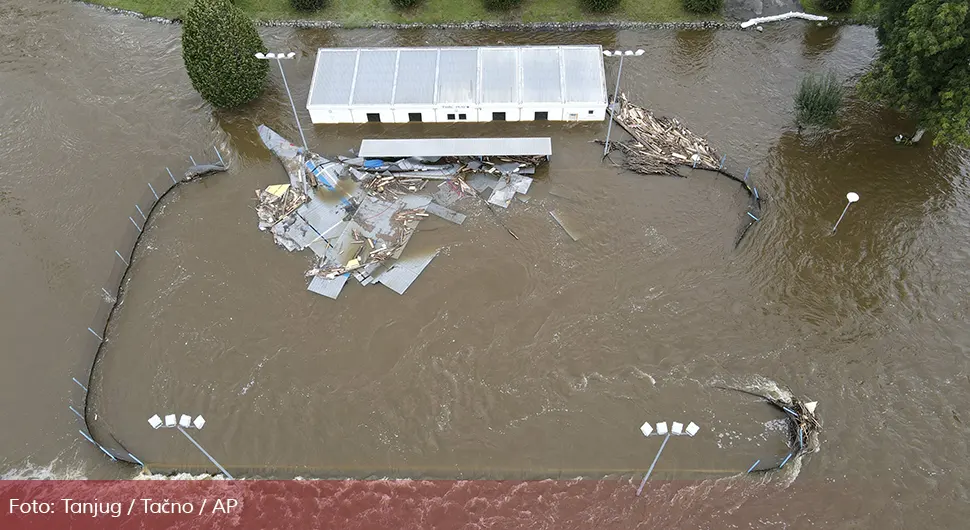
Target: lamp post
279,60
616,90
676,428
186,422
851,197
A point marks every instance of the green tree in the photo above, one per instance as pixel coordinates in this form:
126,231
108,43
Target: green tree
219,44
923,66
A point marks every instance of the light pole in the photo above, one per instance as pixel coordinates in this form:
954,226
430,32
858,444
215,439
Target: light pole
616,90
186,422
279,60
676,428
852,197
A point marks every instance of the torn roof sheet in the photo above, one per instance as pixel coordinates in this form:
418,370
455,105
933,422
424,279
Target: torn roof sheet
402,273
429,147
328,287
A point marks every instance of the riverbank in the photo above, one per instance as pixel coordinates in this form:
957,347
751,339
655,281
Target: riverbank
534,14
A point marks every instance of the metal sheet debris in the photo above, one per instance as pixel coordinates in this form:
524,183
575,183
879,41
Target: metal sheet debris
399,276
357,215
445,213
563,220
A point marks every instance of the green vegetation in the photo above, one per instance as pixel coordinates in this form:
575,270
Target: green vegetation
218,47
308,5
861,10
835,6
818,100
355,13
923,66
501,5
600,6
703,6
405,4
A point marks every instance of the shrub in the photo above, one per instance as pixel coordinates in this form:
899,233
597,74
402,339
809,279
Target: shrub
835,6
818,100
600,6
218,47
309,5
703,6
405,4
501,5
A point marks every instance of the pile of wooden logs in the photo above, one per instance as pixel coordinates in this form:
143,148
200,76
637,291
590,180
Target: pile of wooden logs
660,145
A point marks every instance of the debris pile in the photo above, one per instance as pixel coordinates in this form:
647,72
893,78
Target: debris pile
358,215
660,145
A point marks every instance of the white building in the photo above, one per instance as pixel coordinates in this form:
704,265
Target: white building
509,83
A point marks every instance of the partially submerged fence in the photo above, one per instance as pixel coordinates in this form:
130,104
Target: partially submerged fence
156,189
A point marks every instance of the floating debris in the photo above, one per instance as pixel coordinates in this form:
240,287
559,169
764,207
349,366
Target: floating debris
358,215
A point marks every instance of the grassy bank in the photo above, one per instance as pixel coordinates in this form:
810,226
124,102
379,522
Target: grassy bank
367,12
861,10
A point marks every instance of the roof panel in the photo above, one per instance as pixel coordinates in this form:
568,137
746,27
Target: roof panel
375,77
458,76
334,77
541,82
584,74
500,75
415,76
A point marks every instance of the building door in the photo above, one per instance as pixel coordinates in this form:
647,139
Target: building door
374,117
498,116
414,116
542,116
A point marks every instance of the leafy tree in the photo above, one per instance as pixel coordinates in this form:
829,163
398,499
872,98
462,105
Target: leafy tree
309,5
835,6
923,66
703,6
405,4
600,6
218,46
818,100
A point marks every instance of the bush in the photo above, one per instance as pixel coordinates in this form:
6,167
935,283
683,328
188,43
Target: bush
501,5
218,47
818,100
600,6
405,4
309,5
703,6
835,6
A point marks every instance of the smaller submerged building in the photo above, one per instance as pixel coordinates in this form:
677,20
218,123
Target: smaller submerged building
455,84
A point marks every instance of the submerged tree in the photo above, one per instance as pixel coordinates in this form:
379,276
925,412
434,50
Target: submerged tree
219,44
923,66
818,100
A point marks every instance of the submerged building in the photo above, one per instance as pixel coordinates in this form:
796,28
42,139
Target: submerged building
454,84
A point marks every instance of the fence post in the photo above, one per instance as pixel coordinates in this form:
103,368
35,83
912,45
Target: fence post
171,175
153,190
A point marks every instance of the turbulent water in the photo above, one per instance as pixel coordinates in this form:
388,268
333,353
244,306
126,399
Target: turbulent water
535,358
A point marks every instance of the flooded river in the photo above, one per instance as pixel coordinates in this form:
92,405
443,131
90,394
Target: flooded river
535,358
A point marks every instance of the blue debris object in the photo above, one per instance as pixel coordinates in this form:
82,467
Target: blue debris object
373,164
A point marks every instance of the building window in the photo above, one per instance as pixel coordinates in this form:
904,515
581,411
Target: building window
590,112
542,116
414,116
373,117
462,116
451,116
498,116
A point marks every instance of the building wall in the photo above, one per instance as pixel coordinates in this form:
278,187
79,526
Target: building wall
511,113
442,113
402,114
360,114
529,111
585,112
331,115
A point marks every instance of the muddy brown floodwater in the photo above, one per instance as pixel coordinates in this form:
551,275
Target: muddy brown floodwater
529,359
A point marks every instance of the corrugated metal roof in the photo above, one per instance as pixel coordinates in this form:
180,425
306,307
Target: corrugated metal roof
429,147
541,80
333,77
458,76
416,77
583,84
